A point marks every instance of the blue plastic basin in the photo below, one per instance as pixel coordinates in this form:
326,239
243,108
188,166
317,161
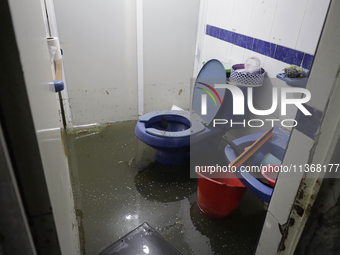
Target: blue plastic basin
275,145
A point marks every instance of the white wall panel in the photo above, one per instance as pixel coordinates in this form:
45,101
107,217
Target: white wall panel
170,29
99,43
261,19
207,51
241,16
221,50
224,14
312,25
237,53
213,5
287,22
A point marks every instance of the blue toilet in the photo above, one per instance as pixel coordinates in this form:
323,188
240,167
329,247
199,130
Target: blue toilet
171,132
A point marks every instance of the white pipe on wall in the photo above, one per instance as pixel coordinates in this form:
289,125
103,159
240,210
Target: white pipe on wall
52,22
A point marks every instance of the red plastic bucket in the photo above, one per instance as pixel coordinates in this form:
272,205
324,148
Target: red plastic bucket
219,197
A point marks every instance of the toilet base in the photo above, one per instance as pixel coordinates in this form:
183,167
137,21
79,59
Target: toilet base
171,157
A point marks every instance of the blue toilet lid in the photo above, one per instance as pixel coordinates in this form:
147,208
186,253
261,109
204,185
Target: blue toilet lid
196,124
211,73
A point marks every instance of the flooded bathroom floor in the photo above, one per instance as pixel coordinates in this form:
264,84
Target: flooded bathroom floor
118,186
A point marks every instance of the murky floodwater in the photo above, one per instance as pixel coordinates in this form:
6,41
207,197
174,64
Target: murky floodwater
118,185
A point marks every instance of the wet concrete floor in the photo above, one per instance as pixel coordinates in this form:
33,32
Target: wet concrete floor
118,185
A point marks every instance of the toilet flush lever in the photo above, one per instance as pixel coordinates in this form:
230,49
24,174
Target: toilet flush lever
58,85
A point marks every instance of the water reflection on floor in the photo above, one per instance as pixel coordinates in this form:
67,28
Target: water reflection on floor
118,186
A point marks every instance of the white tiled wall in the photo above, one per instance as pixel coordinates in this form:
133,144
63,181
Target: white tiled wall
311,25
224,14
211,12
261,19
291,23
237,53
241,16
287,22
295,24
222,47
322,75
273,67
216,49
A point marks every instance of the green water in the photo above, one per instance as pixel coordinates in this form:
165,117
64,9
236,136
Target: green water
118,185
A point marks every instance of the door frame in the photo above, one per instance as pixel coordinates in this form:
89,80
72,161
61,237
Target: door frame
325,143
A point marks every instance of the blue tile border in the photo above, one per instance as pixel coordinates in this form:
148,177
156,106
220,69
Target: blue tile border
309,125
288,55
307,61
212,31
227,36
272,50
243,41
264,48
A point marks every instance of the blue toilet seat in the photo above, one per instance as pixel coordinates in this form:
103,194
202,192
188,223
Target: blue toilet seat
196,123
171,131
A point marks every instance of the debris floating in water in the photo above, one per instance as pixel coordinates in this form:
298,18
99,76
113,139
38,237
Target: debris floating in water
131,161
89,128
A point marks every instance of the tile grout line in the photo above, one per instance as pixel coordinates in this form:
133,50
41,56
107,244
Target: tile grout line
304,54
303,18
274,51
271,29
